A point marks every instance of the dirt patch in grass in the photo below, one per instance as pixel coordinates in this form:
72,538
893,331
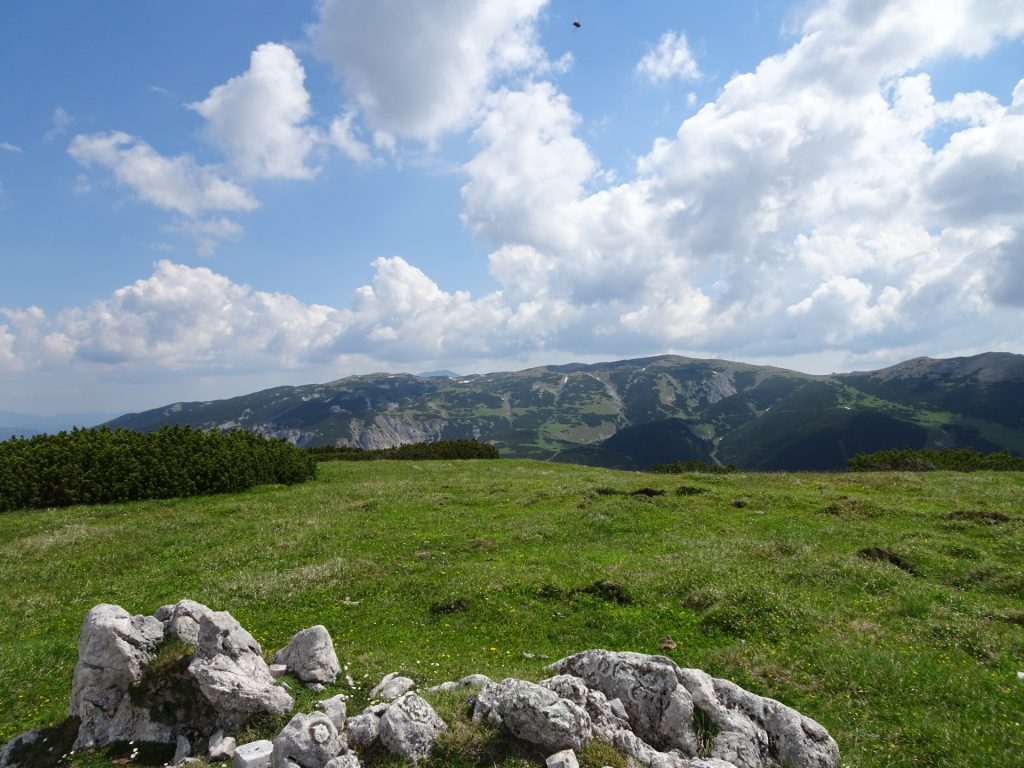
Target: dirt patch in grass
455,605
648,492
884,555
604,589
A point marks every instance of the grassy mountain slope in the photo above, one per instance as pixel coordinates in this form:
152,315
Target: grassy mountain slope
887,606
634,413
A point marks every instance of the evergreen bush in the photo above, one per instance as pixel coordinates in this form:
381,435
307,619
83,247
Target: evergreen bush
100,465
948,459
441,449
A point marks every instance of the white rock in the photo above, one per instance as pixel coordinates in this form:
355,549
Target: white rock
232,674
363,729
410,727
308,741
660,700
310,656
391,687
181,620
278,670
334,708
564,759
255,754
659,708
469,681
221,747
114,651
533,713
347,760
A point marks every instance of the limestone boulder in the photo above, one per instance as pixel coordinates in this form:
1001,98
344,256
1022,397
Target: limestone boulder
232,675
660,710
755,731
310,656
115,649
410,727
664,703
534,713
308,741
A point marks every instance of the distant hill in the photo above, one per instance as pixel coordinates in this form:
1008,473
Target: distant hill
27,424
631,414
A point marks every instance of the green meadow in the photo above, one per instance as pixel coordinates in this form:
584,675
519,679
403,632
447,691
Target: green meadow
887,606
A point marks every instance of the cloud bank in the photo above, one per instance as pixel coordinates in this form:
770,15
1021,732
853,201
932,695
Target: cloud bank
826,202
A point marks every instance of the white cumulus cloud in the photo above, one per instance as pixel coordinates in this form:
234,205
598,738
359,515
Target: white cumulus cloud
421,70
258,119
670,58
173,183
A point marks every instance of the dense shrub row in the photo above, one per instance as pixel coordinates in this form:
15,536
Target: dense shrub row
950,459
694,465
442,449
93,466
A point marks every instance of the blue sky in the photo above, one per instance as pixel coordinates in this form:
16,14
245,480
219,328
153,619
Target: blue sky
198,199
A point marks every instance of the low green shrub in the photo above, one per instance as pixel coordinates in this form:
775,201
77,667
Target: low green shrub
948,459
100,465
694,465
441,449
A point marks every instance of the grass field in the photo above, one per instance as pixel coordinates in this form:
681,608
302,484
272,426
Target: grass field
889,607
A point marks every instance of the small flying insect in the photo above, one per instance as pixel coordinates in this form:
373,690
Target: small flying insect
577,23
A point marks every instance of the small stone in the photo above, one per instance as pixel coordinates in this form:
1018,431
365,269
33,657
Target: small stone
362,730
310,656
278,670
667,643
183,750
308,741
348,760
255,754
334,708
391,687
564,759
316,687
469,681
221,747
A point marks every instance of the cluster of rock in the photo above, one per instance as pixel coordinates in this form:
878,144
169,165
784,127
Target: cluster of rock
192,677
661,715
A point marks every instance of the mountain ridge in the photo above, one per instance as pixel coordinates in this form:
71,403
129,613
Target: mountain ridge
632,413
